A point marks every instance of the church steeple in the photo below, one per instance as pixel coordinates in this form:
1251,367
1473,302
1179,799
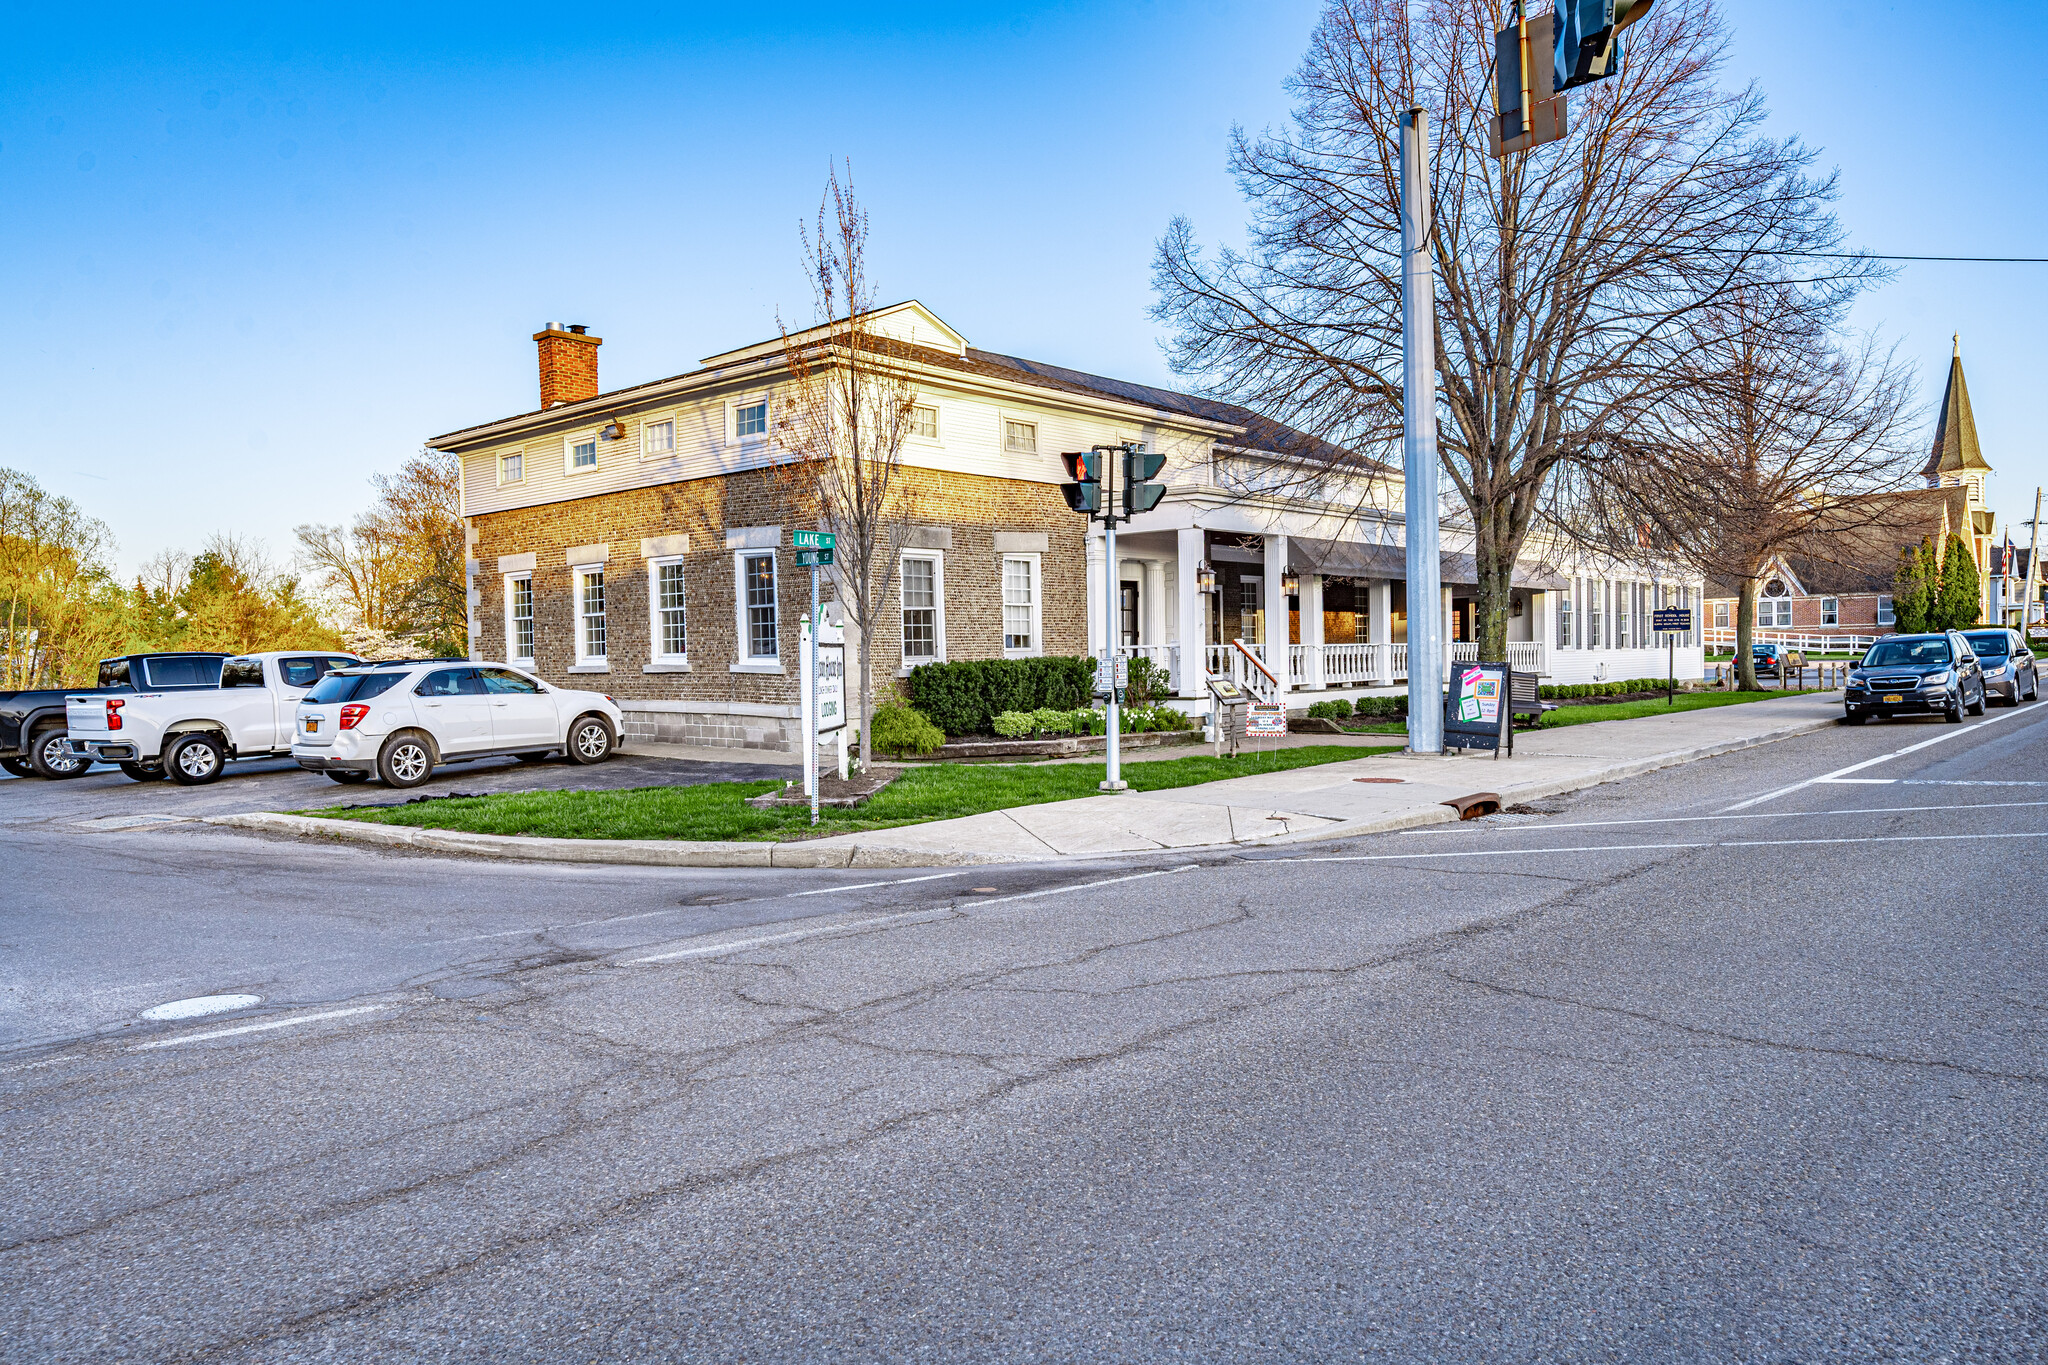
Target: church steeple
1955,455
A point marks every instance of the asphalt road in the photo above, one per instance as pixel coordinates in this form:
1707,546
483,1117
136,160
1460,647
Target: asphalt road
1720,1063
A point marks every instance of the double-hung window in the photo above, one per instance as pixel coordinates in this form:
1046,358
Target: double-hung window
1885,614
1595,604
1020,438
658,438
590,617
1564,619
668,624
580,454
924,422
1831,611
923,585
1721,615
1020,605
760,638
1624,600
512,467
750,420
519,618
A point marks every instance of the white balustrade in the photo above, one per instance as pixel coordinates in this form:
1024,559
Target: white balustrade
1166,656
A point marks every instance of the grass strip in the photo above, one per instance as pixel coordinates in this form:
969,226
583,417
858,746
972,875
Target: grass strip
718,810
1684,701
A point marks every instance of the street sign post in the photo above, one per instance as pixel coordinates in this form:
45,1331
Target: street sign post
813,549
1673,622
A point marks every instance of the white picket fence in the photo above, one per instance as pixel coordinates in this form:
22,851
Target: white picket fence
1312,667
1723,637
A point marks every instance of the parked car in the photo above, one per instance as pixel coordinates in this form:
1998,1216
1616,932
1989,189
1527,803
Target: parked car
2008,664
401,721
1915,675
32,723
193,735
1773,659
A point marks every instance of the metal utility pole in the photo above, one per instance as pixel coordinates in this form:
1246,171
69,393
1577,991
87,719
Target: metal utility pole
1418,444
1113,771
2033,569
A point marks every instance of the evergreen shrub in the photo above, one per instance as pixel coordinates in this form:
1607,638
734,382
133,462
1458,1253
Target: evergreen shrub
964,698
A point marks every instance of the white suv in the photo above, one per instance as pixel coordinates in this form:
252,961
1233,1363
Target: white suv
398,721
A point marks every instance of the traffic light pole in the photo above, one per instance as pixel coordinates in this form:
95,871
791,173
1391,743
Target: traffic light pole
1113,772
1418,444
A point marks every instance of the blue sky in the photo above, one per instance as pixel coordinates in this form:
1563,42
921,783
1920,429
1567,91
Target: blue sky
251,257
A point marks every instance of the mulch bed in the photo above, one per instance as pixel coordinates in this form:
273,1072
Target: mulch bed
833,790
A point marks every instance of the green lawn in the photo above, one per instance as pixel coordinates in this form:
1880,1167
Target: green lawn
718,811
1582,714
1684,701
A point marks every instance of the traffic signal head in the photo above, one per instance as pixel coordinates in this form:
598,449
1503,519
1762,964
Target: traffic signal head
1588,38
1140,494
1084,494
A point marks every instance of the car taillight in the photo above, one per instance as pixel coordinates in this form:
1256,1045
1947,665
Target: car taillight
352,716
114,713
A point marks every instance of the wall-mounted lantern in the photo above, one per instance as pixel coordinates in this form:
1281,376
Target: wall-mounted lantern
1205,577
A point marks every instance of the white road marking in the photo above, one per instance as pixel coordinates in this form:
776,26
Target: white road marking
1636,848
1944,736
865,886
258,1028
1089,886
741,945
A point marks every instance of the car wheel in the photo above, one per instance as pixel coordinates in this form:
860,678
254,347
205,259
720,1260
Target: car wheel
406,761
143,772
195,760
48,755
348,777
535,758
1954,713
20,767
590,740
1983,702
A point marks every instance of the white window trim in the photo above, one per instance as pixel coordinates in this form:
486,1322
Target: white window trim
1887,611
658,661
674,436
732,420
594,663
1003,420
938,559
748,663
569,444
1036,561
505,455
1831,606
938,423
512,654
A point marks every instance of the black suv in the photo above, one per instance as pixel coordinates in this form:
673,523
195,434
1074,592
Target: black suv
1905,675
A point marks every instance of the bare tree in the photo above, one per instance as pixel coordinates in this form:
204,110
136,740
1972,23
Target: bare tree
843,427
164,573
1785,439
1565,274
352,565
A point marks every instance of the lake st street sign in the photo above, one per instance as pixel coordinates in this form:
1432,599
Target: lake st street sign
814,540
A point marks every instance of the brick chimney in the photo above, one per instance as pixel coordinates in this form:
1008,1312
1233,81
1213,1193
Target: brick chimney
568,364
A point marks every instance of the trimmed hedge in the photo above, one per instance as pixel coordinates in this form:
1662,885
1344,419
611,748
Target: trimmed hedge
1617,688
965,698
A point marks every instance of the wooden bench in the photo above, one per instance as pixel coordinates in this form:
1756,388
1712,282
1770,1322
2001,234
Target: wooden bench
1524,696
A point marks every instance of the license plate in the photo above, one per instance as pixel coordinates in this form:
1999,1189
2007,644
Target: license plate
1893,698
313,726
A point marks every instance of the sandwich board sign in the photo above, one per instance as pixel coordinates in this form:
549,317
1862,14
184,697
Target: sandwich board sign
1476,710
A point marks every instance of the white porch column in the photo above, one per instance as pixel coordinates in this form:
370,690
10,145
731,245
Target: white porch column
1152,601
1379,618
1312,626
1447,622
1098,629
1276,611
1188,605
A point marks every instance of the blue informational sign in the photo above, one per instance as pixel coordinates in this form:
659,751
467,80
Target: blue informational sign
1675,619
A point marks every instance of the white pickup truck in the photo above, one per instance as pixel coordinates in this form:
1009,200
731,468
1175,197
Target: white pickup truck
193,736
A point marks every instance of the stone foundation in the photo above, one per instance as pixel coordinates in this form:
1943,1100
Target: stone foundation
713,725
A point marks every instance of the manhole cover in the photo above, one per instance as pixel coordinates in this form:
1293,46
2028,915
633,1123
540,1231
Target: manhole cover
200,1005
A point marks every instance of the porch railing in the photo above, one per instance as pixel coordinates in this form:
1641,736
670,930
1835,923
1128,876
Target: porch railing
1348,665
1166,656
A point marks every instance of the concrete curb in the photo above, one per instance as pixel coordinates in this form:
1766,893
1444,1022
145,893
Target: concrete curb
633,852
746,853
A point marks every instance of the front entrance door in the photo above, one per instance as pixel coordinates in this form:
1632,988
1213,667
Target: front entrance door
1127,615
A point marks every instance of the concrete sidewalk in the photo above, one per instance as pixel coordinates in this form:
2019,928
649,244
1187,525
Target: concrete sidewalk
1335,800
